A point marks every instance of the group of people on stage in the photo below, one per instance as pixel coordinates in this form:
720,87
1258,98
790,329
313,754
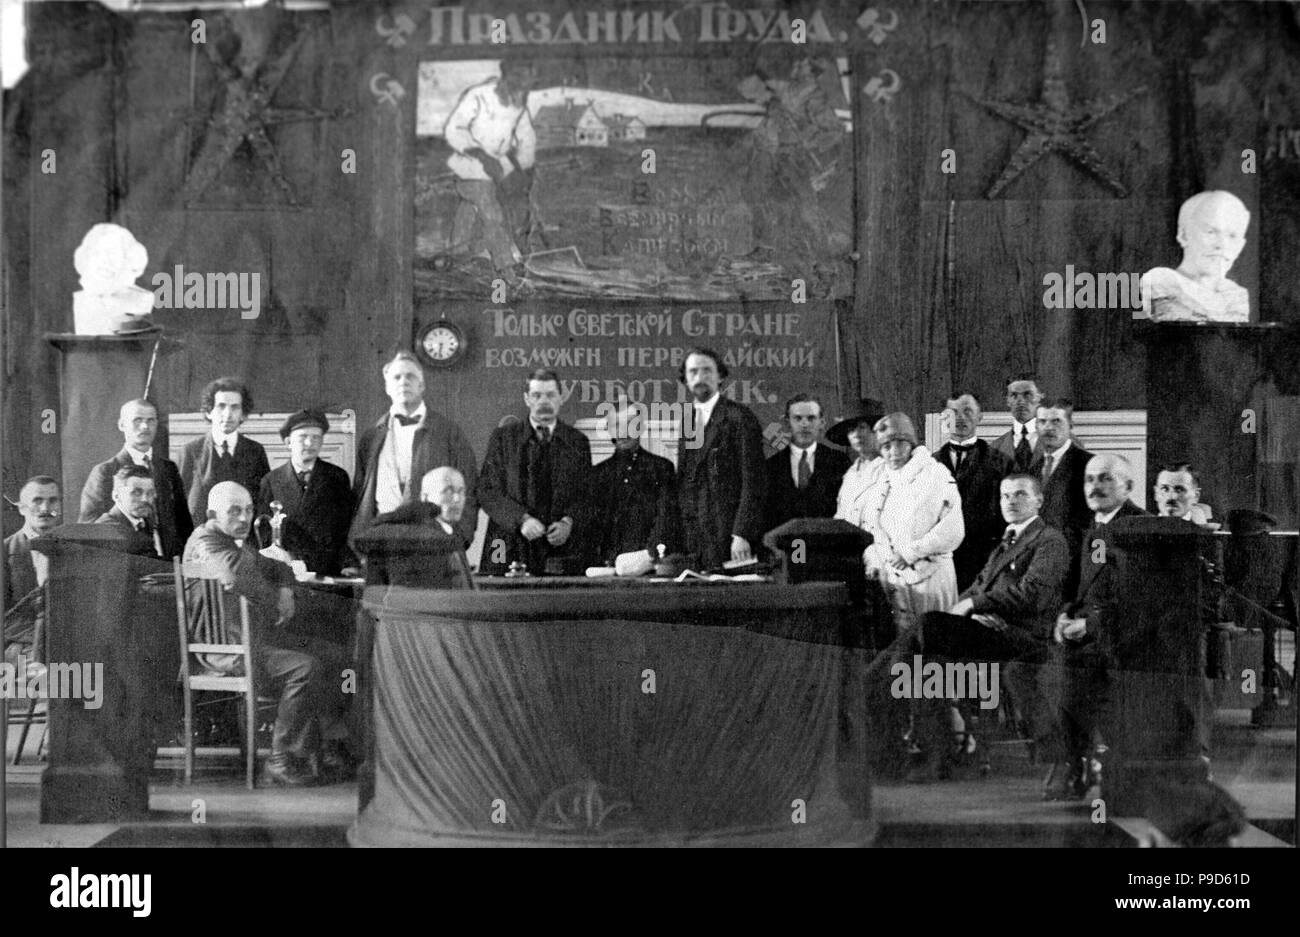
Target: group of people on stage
936,520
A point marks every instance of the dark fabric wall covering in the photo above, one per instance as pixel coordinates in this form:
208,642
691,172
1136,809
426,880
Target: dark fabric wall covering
949,284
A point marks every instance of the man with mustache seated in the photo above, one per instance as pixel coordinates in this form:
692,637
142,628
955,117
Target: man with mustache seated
26,570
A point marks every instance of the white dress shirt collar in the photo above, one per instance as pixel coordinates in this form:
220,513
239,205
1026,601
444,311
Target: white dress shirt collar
1056,456
218,437
964,443
1099,518
1020,528
1017,426
421,412
138,457
704,411
796,454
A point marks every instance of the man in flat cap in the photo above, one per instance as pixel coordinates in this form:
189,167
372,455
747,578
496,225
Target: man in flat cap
315,496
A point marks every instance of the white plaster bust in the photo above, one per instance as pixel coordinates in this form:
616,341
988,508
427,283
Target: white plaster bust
1212,232
109,260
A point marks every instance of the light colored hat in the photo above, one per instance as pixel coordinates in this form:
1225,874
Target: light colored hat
894,426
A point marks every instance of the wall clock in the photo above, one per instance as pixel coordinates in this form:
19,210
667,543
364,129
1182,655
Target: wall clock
440,344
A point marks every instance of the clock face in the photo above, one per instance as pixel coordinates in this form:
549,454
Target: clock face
440,343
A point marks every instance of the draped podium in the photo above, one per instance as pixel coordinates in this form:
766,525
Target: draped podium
572,712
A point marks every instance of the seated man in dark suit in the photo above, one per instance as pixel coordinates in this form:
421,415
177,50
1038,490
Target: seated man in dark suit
804,480
419,543
26,571
979,470
315,496
133,510
1059,464
139,425
303,672
1080,627
1005,615
223,454
633,501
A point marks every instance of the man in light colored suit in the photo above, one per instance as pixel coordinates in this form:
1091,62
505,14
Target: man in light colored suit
1020,443
25,570
404,444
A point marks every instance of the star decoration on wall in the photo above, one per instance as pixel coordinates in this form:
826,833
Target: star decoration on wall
246,114
1054,125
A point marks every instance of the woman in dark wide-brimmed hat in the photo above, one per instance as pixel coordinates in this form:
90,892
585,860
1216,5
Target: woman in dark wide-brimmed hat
855,433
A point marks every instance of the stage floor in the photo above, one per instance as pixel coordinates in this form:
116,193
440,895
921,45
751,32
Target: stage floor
1256,766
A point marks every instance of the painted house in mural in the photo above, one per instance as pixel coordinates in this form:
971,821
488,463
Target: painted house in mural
623,128
570,124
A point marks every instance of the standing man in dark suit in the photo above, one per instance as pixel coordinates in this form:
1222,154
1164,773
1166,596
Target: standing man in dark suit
804,480
1005,615
721,479
533,485
1059,465
138,422
316,497
222,455
633,503
133,510
1081,633
1020,443
405,443
25,569
979,470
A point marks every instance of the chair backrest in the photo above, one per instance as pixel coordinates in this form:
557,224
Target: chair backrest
203,627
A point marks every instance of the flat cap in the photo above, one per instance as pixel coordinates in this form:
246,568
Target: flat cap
304,418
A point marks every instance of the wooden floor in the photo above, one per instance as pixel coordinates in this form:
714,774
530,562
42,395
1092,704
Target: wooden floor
1256,766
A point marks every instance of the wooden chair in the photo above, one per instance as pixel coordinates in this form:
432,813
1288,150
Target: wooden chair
28,718
194,676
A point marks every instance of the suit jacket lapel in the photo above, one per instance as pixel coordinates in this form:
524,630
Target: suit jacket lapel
1026,539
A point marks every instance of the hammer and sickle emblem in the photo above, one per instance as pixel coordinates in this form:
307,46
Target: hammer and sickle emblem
386,90
878,30
395,36
878,90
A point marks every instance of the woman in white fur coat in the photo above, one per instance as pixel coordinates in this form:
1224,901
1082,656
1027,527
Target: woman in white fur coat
910,505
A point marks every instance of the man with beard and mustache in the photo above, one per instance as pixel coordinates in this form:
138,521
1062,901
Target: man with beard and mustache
721,478
1081,632
532,485
138,422
1020,443
26,570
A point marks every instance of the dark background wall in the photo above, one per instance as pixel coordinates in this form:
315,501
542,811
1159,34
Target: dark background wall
949,281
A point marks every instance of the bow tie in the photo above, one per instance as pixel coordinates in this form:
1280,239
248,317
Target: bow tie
406,420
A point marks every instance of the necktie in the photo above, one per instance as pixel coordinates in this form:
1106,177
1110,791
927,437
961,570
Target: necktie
543,434
303,478
225,449
1047,468
805,473
148,462
406,420
1022,449
1009,538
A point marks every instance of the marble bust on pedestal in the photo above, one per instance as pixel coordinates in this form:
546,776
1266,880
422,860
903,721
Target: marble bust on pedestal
108,261
1212,232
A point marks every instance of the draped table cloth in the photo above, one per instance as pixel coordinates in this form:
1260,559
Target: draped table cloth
585,713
